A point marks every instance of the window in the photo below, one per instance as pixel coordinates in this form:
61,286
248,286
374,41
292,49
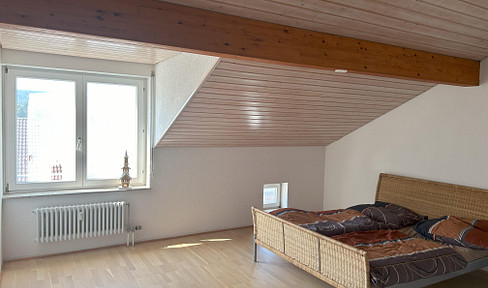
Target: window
275,196
70,130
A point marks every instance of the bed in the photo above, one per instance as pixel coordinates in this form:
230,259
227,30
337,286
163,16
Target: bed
342,265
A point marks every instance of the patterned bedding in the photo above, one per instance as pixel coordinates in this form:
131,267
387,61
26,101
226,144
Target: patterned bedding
330,223
298,216
395,257
471,233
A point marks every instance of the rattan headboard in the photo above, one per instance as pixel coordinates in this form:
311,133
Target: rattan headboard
433,199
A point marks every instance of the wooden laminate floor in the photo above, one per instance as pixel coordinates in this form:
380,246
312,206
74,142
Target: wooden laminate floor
220,259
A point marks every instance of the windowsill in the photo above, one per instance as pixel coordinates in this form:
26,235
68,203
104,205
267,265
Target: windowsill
12,195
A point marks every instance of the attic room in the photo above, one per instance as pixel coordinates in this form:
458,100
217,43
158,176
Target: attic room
315,97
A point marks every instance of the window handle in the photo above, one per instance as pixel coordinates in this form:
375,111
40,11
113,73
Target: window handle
78,144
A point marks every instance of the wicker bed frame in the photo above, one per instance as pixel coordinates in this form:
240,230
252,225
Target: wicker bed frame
345,266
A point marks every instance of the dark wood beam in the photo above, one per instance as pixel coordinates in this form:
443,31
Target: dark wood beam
196,30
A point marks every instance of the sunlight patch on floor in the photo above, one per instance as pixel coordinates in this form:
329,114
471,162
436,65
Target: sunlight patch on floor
216,240
182,245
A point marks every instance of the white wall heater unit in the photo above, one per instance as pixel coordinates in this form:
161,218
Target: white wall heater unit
81,221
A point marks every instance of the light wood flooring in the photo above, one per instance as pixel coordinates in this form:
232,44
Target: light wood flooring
220,259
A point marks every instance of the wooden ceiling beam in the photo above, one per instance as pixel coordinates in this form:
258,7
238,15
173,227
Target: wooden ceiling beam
195,30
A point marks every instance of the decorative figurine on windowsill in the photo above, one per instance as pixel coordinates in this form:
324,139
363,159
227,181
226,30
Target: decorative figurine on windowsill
125,178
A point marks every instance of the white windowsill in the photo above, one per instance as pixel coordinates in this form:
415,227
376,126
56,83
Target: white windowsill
11,195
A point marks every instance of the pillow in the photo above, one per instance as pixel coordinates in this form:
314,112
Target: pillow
423,227
381,204
455,231
361,207
394,216
281,211
480,224
462,231
476,223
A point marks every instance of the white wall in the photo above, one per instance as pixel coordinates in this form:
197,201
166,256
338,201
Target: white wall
193,190
440,135
1,159
177,80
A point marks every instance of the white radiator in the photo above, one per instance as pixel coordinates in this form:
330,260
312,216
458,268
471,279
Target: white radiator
80,221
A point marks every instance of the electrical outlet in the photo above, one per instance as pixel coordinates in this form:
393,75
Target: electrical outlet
138,227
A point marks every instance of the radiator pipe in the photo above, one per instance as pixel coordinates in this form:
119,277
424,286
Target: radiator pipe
131,231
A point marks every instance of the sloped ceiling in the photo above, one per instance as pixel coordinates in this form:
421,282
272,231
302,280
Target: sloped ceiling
253,104
450,27
256,104
78,45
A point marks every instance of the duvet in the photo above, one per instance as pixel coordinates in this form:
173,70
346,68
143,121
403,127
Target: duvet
330,223
394,257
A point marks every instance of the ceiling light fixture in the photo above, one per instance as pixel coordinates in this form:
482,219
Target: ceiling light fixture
340,70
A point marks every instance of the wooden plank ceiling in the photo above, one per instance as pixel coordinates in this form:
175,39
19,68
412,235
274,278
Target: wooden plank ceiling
81,45
246,103
254,104
196,30
449,27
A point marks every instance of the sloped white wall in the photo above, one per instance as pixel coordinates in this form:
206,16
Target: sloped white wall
193,190
177,79
440,135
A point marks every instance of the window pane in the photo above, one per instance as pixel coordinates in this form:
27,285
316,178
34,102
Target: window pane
46,130
270,196
111,130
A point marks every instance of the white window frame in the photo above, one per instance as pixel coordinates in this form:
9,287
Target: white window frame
80,78
277,204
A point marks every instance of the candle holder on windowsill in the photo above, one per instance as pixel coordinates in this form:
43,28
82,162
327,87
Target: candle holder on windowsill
125,178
